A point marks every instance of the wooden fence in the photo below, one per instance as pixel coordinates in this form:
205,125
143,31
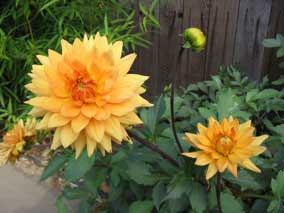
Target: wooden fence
234,29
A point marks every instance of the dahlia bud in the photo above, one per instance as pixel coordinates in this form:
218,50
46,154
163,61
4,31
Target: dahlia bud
194,39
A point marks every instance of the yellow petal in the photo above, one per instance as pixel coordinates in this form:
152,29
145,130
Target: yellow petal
79,123
91,146
95,130
106,143
211,171
80,144
222,164
37,112
65,46
250,165
47,103
193,154
130,119
57,120
43,124
67,136
117,50
233,168
56,139
245,125
126,63
43,59
203,160
201,129
112,127
259,140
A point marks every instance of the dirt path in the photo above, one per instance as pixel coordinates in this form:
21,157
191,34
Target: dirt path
22,194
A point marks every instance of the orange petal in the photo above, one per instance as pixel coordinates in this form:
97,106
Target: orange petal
89,110
56,139
69,109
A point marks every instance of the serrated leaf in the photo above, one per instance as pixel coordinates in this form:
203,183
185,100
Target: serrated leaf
271,43
226,104
141,206
266,94
275,206
140,173
54,165
230,204
159,193
61,206
259,206
84,207
198,198
72,193
277,185
76,168
206,113
280,52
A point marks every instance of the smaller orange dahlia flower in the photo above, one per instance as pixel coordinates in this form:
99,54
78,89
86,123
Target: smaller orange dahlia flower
15,140
225,145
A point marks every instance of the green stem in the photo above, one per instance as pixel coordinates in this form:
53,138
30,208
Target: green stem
218,192
172,102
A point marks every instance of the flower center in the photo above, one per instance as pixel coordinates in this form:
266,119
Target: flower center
83,88
224,145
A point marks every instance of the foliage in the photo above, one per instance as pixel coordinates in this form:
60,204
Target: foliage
277,43
29,28
136,179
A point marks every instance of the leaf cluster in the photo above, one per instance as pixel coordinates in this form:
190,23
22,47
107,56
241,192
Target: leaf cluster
136,179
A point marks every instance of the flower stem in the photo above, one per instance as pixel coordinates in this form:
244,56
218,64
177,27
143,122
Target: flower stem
154,148
172,102
218,192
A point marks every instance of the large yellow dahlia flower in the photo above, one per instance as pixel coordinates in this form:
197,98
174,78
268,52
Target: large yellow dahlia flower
87,94
225,145
15,140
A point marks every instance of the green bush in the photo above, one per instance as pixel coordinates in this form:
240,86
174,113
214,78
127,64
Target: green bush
136,179
30,27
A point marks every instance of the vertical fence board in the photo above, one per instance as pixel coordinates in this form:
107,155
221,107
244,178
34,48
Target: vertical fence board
252,28
234,28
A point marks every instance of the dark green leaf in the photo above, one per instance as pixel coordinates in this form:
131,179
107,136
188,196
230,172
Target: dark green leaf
76,168
61,206
277,185
159,193
198,197
230,204
271,43
84,207
54,165
72,193
145,206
